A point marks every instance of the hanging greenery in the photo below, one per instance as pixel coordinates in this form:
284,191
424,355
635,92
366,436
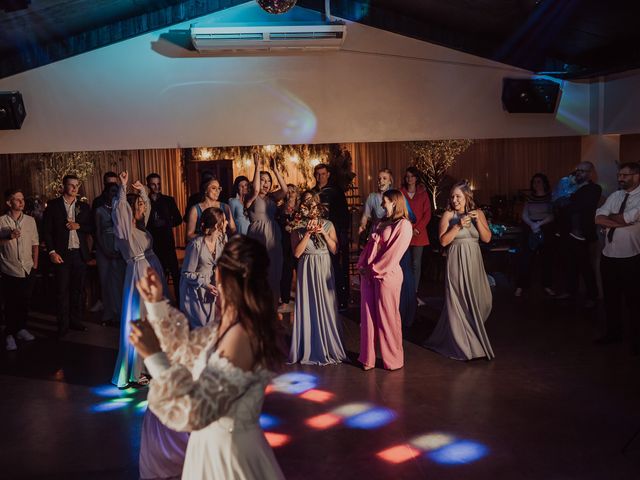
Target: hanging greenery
433,158
55,166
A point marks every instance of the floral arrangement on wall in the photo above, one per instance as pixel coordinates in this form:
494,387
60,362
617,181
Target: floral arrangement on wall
54,166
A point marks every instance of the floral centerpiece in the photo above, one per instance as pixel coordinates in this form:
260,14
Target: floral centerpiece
309,214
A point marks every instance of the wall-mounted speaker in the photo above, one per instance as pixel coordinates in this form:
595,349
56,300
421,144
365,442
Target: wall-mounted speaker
12,111
529,95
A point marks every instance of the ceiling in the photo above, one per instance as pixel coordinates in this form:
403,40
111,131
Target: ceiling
571,38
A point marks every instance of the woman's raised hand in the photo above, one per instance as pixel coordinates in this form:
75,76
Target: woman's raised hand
150,286
137,185
124,177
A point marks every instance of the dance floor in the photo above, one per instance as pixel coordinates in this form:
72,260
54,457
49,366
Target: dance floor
550,406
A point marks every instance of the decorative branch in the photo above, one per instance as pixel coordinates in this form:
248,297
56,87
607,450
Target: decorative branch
433,158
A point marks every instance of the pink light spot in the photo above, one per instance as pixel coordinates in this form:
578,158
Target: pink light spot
398,454
324,421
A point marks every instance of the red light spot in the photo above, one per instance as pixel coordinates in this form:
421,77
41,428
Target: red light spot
324,421
398,454
319,396
270,388
277,439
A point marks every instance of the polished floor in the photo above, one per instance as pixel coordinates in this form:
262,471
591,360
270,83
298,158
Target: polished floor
551,406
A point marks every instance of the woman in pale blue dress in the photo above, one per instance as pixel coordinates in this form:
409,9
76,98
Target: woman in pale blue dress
130,214
261,205
236,204
198,292
212,190
316,337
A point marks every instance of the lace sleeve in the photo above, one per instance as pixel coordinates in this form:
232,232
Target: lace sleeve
185,404
172,328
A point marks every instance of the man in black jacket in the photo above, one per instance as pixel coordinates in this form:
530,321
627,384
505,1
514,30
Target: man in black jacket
66,226
108,179
164,217
334,199
578,233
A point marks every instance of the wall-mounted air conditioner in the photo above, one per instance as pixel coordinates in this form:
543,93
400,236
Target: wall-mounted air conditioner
272,37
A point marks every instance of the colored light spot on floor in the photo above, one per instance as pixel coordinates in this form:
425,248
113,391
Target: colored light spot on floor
373,418
462,451
276,440
398,454
319,396
432,441
324,421
268,421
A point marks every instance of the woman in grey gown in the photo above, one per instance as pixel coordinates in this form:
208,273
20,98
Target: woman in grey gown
316,337
261,205
460,333
198,292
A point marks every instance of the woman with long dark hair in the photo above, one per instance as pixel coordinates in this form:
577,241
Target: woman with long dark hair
198,291
211,381
239,191
418,198
381,283
460,332
212,190
261,205
538,233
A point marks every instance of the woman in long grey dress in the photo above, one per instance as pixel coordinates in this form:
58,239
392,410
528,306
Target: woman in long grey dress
198,292
460,333
316,337
236,204
261,205
111,266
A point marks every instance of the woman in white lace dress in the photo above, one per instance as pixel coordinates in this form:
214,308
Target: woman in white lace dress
210,381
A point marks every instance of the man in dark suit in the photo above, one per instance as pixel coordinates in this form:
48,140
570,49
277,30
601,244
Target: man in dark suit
164,217
108,179
334,199
66,225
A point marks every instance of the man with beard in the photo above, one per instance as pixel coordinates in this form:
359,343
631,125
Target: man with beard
620,261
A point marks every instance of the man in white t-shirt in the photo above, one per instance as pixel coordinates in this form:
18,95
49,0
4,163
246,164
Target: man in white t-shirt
620,261
18,259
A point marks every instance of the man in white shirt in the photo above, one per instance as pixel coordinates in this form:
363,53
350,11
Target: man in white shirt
18,259
620,261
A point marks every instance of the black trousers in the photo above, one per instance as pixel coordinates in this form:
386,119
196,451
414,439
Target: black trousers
543,255
620,286
165,249
578,264
340,263
17,297
289,264
70,283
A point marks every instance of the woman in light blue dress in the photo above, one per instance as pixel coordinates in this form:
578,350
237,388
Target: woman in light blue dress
316,337
236,204
198,292
130,214
261,205
212,190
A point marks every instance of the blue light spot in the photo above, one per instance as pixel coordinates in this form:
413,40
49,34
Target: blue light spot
268,422
456,453
373,418
107,407
294,383
107,391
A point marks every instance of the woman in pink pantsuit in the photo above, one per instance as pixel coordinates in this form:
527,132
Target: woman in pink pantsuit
380,284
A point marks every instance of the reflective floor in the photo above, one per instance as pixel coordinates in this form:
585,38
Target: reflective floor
550,406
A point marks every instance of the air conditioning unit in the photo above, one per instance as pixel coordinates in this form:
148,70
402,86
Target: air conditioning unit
273,37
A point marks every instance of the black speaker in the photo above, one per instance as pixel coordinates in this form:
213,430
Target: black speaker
529,95
12,111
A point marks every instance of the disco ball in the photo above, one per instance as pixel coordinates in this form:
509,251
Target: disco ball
276,6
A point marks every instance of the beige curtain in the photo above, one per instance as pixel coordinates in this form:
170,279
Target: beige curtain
23,171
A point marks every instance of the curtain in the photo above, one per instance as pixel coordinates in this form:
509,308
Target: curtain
23,171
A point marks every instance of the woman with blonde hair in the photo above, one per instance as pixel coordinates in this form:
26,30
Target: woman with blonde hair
460,332
380,284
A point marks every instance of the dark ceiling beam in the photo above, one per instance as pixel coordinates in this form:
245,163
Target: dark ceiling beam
38,54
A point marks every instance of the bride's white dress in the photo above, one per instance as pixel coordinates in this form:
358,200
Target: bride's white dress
196,390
